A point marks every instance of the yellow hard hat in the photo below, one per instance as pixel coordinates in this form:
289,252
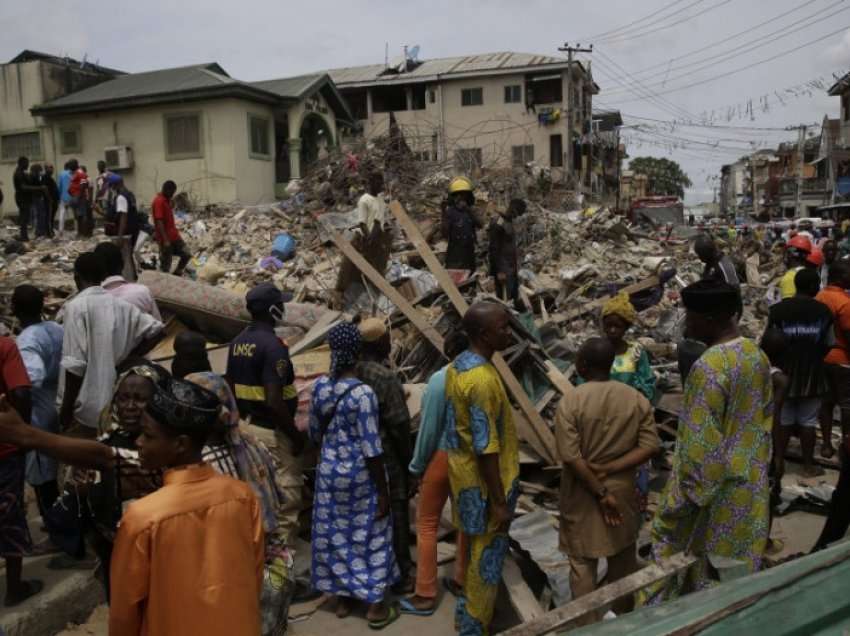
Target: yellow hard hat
460,184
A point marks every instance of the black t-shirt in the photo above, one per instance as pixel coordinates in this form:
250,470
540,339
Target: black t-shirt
23,198
807,325
258,357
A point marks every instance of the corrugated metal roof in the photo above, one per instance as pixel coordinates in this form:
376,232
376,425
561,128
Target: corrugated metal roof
28,55
293,87
135,85
443,66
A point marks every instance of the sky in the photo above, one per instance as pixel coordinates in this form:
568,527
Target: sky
646,54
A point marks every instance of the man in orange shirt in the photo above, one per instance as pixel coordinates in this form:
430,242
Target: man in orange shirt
837,360
166,234
188,558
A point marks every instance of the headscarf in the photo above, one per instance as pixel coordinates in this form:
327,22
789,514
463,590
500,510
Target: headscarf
109,421
254,462
708,297
621,306
344,340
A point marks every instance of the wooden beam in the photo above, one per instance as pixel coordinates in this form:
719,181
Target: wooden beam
586,308
388,290
545,439
317,332
566,615
522,598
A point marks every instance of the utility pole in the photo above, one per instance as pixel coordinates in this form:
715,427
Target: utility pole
801,142
753,184
570,51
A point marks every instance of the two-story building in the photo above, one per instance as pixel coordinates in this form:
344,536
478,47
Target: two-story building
221,139
496,109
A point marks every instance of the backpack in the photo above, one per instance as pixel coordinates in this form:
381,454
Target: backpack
111,221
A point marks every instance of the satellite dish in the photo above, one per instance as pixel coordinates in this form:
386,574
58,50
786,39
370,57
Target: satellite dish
413,53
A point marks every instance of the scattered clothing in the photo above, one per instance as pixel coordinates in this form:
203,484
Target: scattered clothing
163,579
352,549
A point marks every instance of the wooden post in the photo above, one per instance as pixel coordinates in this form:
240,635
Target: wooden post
563,617
545,437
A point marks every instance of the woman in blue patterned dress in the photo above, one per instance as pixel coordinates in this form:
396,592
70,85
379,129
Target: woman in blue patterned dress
352,533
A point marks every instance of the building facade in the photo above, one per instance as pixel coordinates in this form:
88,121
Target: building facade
495,110
219,139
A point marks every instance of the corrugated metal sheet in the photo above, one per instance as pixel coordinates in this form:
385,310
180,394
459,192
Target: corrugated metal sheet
443,66
293,87
150,83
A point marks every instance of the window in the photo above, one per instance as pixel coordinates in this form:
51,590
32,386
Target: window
69,140
467,159
521,155
386,99
513,94
27,144
472,97
432,96
418,101
845,102
556,151
258,129
549,91
183,136
357,102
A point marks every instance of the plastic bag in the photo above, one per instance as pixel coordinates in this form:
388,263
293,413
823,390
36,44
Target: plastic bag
283,247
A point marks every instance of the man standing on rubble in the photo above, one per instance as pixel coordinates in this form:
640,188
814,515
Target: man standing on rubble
600,516
716,501
807,327
483,450
372,216
459,225
503,252
166,233
394,426
261,377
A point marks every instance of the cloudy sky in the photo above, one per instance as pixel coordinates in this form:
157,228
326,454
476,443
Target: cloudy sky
665,60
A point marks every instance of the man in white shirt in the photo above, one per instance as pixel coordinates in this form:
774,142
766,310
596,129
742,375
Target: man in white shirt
101,331
112,261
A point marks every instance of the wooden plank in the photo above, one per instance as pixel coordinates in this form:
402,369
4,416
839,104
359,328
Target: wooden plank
558,378
545,439
585,308
388,290
566,615
317,332
522,598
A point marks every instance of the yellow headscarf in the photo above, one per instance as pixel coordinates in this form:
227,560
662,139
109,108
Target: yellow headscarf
621,306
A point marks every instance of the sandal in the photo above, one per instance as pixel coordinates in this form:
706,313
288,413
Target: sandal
406,607
391,617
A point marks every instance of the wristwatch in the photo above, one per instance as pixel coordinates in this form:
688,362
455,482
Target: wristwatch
601,494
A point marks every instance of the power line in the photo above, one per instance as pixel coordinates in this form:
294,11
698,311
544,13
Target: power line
643,19
637,36
747,48
749,66
731,37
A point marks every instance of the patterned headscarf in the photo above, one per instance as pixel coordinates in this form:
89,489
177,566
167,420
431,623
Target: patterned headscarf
621,306
345,341
109,417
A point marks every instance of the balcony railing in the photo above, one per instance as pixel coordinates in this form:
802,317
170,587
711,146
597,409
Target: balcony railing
810,186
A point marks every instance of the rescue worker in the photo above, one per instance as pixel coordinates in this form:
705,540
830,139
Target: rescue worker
797,250
459,225
504,255
261,376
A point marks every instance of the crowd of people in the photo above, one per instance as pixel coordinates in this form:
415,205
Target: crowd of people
185,486
47,202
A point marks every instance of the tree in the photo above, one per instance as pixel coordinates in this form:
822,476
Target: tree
666,178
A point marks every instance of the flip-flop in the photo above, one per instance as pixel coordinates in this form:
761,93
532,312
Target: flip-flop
392,617
406,607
